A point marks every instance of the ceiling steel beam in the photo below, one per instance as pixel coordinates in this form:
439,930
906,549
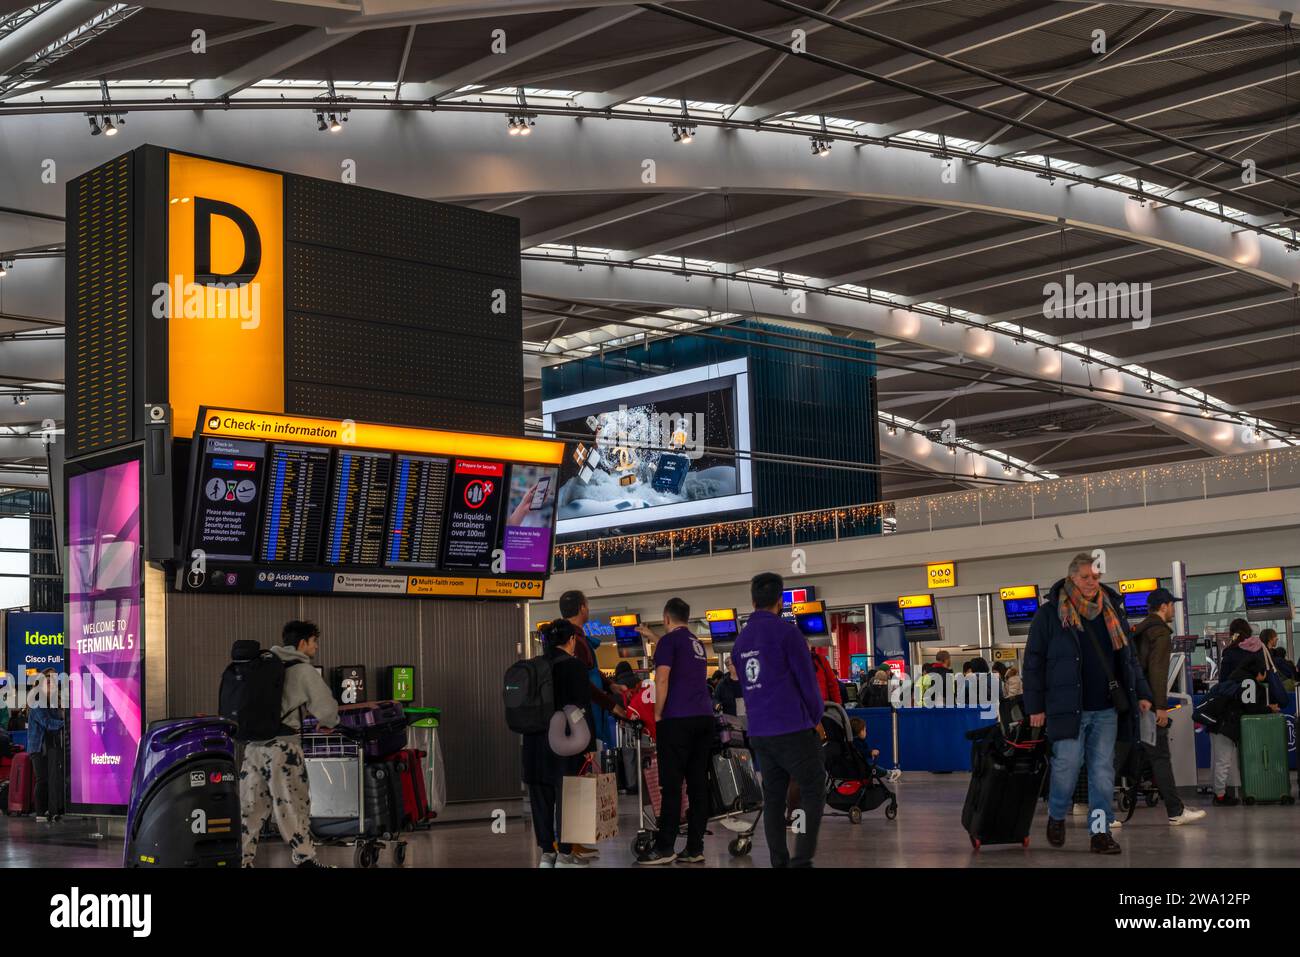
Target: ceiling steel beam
725,228
521,51
302,47
607,218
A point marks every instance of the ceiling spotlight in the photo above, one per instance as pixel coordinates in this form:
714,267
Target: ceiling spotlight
893,429
335,125
1205,411
109,128
514,125
20,399
820,147
94,125
521,125
1149,386
320,121
683,134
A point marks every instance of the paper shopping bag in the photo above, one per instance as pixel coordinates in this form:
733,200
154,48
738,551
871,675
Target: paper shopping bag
589,809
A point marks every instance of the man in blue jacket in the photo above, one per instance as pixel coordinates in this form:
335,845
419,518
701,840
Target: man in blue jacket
1083,683
784,707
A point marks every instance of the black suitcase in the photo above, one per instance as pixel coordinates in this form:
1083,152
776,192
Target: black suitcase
734,786
1006,778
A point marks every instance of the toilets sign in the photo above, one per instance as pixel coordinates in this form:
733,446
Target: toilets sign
33,642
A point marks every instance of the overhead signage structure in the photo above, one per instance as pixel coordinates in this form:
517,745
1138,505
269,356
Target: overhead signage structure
300,504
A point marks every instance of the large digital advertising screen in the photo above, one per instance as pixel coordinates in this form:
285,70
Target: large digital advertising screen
104,649
293,504
654,450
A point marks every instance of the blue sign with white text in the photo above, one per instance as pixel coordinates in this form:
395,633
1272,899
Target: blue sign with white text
34,641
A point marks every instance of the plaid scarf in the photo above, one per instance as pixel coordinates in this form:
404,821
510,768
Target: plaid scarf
1073,608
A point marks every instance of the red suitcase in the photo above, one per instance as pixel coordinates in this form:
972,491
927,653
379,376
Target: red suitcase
22,785
415,797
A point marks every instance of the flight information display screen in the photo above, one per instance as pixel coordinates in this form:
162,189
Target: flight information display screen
297,486
1020,611
356,508
1264,594
419,504
229,504
918,619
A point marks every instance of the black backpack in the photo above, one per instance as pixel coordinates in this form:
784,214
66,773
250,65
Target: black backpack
529,695
252,689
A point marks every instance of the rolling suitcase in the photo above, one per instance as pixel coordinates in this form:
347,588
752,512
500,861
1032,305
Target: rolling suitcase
22,785
1006,777
1265,776
734,784
409,764
380,724
184,806
382,812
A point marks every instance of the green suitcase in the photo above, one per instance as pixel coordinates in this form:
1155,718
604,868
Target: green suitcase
1265,777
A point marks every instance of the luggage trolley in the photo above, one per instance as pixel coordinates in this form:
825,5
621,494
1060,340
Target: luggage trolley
336,773
733,819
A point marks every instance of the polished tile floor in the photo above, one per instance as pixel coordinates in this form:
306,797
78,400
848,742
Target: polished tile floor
927,832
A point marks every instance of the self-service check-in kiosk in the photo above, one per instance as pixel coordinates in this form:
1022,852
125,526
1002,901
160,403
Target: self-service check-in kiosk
724,626
1019,605
810,618
1135,592
920,618
1264,592
627,636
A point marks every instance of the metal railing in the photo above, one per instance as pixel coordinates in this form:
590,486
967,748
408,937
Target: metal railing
1101,491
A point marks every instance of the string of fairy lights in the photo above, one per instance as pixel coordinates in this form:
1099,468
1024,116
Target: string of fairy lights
1120,488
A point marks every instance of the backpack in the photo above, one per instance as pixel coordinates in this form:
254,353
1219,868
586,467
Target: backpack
529,695
252,689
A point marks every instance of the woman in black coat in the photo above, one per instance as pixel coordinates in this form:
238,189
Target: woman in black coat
544,770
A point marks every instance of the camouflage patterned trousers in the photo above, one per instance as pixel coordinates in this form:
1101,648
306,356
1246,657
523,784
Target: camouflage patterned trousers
273,781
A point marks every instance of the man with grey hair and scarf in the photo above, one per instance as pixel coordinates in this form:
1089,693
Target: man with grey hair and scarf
1083,684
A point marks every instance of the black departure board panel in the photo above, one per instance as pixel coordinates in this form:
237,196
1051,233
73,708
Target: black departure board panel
297,482
358,508
419,502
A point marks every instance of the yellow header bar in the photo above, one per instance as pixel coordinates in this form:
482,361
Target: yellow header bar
806,607
617,620
941,574
268,427
914,601
1018,591
1259,575
1138,584
720,614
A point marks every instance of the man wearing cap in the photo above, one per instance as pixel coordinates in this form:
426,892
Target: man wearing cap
1153,646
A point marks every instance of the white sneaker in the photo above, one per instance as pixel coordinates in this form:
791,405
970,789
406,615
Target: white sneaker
571,860
42,819
1189,815
548,860
1116,824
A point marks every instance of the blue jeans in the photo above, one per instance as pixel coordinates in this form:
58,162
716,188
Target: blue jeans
1096,745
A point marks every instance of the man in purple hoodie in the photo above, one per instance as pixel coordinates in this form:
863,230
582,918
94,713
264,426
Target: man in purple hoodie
784,707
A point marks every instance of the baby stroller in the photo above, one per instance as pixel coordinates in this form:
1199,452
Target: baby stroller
853,784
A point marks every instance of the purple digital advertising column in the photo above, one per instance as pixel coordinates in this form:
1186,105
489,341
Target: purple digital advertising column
105,665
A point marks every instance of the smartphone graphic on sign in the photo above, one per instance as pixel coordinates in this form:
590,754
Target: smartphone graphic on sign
540,492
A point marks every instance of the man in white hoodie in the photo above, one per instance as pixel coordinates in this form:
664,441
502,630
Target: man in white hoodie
273,779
